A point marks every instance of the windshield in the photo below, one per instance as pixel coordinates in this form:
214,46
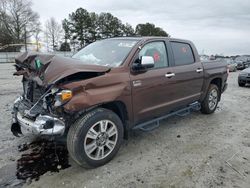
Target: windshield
110,52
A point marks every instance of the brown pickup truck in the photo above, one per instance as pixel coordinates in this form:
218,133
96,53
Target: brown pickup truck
110,87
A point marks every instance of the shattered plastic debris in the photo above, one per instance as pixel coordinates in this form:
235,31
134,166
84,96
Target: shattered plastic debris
41,157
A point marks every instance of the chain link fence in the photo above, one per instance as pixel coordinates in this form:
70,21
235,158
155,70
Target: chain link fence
9,57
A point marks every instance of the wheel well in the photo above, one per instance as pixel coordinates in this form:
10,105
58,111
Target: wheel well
217,81
120,109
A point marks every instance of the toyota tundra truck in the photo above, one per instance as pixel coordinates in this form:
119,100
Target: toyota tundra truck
110,87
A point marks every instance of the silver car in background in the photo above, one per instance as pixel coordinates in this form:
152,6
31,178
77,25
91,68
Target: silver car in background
232,65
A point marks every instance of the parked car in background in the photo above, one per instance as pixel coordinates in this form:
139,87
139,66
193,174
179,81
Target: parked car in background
204,58
244,77
243,62
247,63
240,65
232,65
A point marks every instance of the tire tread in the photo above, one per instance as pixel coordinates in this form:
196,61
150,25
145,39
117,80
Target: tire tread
204,104
75,129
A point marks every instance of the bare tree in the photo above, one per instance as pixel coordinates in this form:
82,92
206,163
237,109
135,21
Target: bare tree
37,31
18,19
53,32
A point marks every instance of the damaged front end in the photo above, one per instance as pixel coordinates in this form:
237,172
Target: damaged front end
34,112
36,119
39,110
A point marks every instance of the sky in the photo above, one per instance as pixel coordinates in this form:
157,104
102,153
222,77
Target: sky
215,26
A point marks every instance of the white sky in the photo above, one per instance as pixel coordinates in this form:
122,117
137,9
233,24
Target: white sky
215,26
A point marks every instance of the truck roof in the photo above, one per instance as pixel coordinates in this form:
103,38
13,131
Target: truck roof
145,38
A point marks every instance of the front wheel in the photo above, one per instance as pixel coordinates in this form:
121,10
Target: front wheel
211,100
95,138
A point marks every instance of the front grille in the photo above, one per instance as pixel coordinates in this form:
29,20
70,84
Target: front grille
32,92
31,106
23,106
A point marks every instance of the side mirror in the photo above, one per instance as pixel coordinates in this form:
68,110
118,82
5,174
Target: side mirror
146,62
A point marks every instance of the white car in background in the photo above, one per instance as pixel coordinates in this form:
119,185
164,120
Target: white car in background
232,65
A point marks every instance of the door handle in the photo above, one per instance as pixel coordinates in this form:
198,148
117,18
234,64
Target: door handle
169,75
199,70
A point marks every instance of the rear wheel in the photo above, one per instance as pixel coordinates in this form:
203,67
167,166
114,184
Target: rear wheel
95,138
211,100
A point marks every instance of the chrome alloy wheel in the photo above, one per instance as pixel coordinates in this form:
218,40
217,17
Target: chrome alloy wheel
213,99
100,139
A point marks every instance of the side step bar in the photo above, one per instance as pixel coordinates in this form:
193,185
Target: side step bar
155,123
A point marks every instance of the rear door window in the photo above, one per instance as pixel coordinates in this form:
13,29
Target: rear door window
183,54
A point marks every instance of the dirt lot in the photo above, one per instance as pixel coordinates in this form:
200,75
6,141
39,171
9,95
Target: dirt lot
193,151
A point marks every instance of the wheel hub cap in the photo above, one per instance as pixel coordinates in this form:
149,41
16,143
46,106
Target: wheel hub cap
213,99
100,139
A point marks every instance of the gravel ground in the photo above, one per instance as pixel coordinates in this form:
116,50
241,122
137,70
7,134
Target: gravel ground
193,151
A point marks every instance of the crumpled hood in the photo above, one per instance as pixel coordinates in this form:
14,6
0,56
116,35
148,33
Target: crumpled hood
51,68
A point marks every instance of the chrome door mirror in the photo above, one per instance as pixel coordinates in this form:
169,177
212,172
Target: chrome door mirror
142,64
147,62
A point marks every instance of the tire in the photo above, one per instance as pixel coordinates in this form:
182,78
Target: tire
86,135
206,105
241,84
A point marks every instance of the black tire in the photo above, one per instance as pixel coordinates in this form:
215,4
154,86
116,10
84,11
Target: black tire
241,84
78,131
205,109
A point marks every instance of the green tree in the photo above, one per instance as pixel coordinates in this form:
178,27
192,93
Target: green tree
83,28
80,23
109,25
66,29
149,29
65,47
94,31
127,30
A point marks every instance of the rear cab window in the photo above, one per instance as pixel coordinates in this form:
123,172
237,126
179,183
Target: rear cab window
183,53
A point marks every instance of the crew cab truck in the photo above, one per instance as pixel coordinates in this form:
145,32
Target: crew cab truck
109,87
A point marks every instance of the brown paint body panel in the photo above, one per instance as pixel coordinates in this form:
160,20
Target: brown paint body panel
113,86
145,95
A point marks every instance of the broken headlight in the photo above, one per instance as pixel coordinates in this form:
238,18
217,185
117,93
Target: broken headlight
62,97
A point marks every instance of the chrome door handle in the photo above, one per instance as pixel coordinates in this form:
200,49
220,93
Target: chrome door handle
169,75
199,70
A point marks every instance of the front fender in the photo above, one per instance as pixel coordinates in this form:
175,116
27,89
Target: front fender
92,97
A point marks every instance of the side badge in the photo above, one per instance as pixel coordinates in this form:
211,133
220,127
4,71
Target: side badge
137,83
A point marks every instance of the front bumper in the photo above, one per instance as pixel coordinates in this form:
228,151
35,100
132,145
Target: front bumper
45,125
244,79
